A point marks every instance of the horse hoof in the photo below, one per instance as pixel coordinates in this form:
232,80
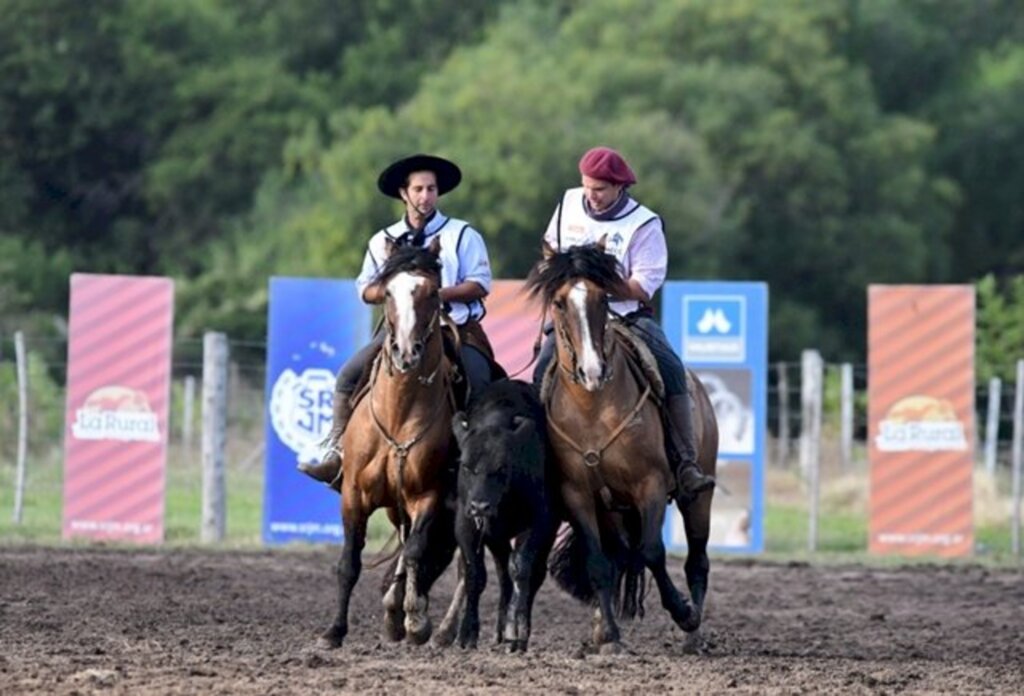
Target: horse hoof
417,631
692,622
443,639
331,639
694,644
613,648
394,631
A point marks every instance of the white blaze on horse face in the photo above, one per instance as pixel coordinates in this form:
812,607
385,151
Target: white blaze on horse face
402,288
591,364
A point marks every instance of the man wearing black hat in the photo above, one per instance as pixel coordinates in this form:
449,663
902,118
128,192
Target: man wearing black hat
418,181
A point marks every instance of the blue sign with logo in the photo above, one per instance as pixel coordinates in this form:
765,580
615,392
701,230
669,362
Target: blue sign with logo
314,325
721,332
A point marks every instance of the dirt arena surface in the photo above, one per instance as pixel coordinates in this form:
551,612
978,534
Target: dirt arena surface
82,621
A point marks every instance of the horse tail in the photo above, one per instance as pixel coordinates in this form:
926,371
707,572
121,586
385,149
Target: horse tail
629,595
567,565
385,556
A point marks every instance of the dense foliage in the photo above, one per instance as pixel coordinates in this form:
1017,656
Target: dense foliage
818,146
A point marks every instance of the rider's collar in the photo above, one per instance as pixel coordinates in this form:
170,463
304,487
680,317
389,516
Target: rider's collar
435,222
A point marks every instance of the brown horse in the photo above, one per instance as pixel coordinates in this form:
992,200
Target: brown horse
607,437
398,445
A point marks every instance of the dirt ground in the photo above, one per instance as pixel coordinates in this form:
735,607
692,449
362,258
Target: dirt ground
77,621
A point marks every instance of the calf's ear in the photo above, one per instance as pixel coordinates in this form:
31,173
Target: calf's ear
523,425
460,426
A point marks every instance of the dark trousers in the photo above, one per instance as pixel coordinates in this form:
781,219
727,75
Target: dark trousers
478,369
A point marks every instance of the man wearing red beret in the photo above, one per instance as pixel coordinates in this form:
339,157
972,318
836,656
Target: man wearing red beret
602,208
418,181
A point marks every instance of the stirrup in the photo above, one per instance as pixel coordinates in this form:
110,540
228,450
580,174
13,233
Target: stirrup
692,481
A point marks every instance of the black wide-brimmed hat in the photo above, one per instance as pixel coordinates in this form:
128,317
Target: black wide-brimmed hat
396,176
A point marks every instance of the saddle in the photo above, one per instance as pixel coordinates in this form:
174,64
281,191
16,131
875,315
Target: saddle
470,333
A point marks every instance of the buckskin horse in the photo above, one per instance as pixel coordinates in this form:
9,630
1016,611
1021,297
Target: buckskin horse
398,447
608,442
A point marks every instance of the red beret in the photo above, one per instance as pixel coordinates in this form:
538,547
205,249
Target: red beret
606,164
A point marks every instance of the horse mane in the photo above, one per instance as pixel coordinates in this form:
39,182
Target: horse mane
585,262
410,259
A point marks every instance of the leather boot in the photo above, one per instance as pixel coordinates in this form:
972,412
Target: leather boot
690,479
329,469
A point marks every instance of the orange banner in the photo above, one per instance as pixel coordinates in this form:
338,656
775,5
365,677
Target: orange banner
921,419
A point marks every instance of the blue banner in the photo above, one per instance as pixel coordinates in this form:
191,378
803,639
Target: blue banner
721,332
314,325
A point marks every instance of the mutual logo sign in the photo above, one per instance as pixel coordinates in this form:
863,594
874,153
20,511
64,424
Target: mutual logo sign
921,423
713,328
300,410
116,413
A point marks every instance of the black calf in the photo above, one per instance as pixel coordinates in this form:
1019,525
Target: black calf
507,500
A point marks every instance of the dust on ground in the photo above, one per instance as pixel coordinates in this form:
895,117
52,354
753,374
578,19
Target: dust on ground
95,620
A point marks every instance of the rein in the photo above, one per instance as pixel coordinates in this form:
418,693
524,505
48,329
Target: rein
401,449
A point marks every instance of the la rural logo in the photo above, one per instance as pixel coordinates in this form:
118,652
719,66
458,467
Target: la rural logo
921,423
115,412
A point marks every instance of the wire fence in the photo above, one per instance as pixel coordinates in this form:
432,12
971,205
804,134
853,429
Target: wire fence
842,448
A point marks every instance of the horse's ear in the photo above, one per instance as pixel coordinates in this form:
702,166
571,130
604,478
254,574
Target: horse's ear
601,241
547,250
435,245
389,246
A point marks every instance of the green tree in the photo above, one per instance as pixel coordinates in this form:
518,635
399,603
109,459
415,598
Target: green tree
1000,326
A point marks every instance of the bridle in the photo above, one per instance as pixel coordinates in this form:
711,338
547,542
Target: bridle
573,369
389,343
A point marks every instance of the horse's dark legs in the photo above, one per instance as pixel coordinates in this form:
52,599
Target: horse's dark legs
696,522
600,570
653,550
348,570
428,551
394,598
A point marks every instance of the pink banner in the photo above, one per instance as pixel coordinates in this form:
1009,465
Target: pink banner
118,392
512,324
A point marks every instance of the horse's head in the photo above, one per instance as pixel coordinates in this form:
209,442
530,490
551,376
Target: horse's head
411,277
575,285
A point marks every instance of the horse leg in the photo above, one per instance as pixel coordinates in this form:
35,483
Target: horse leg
501,552
394,597
652,549
600,570
696,523
348,570
445,633
423,569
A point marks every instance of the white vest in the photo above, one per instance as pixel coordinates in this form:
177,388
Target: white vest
575,227
450,230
